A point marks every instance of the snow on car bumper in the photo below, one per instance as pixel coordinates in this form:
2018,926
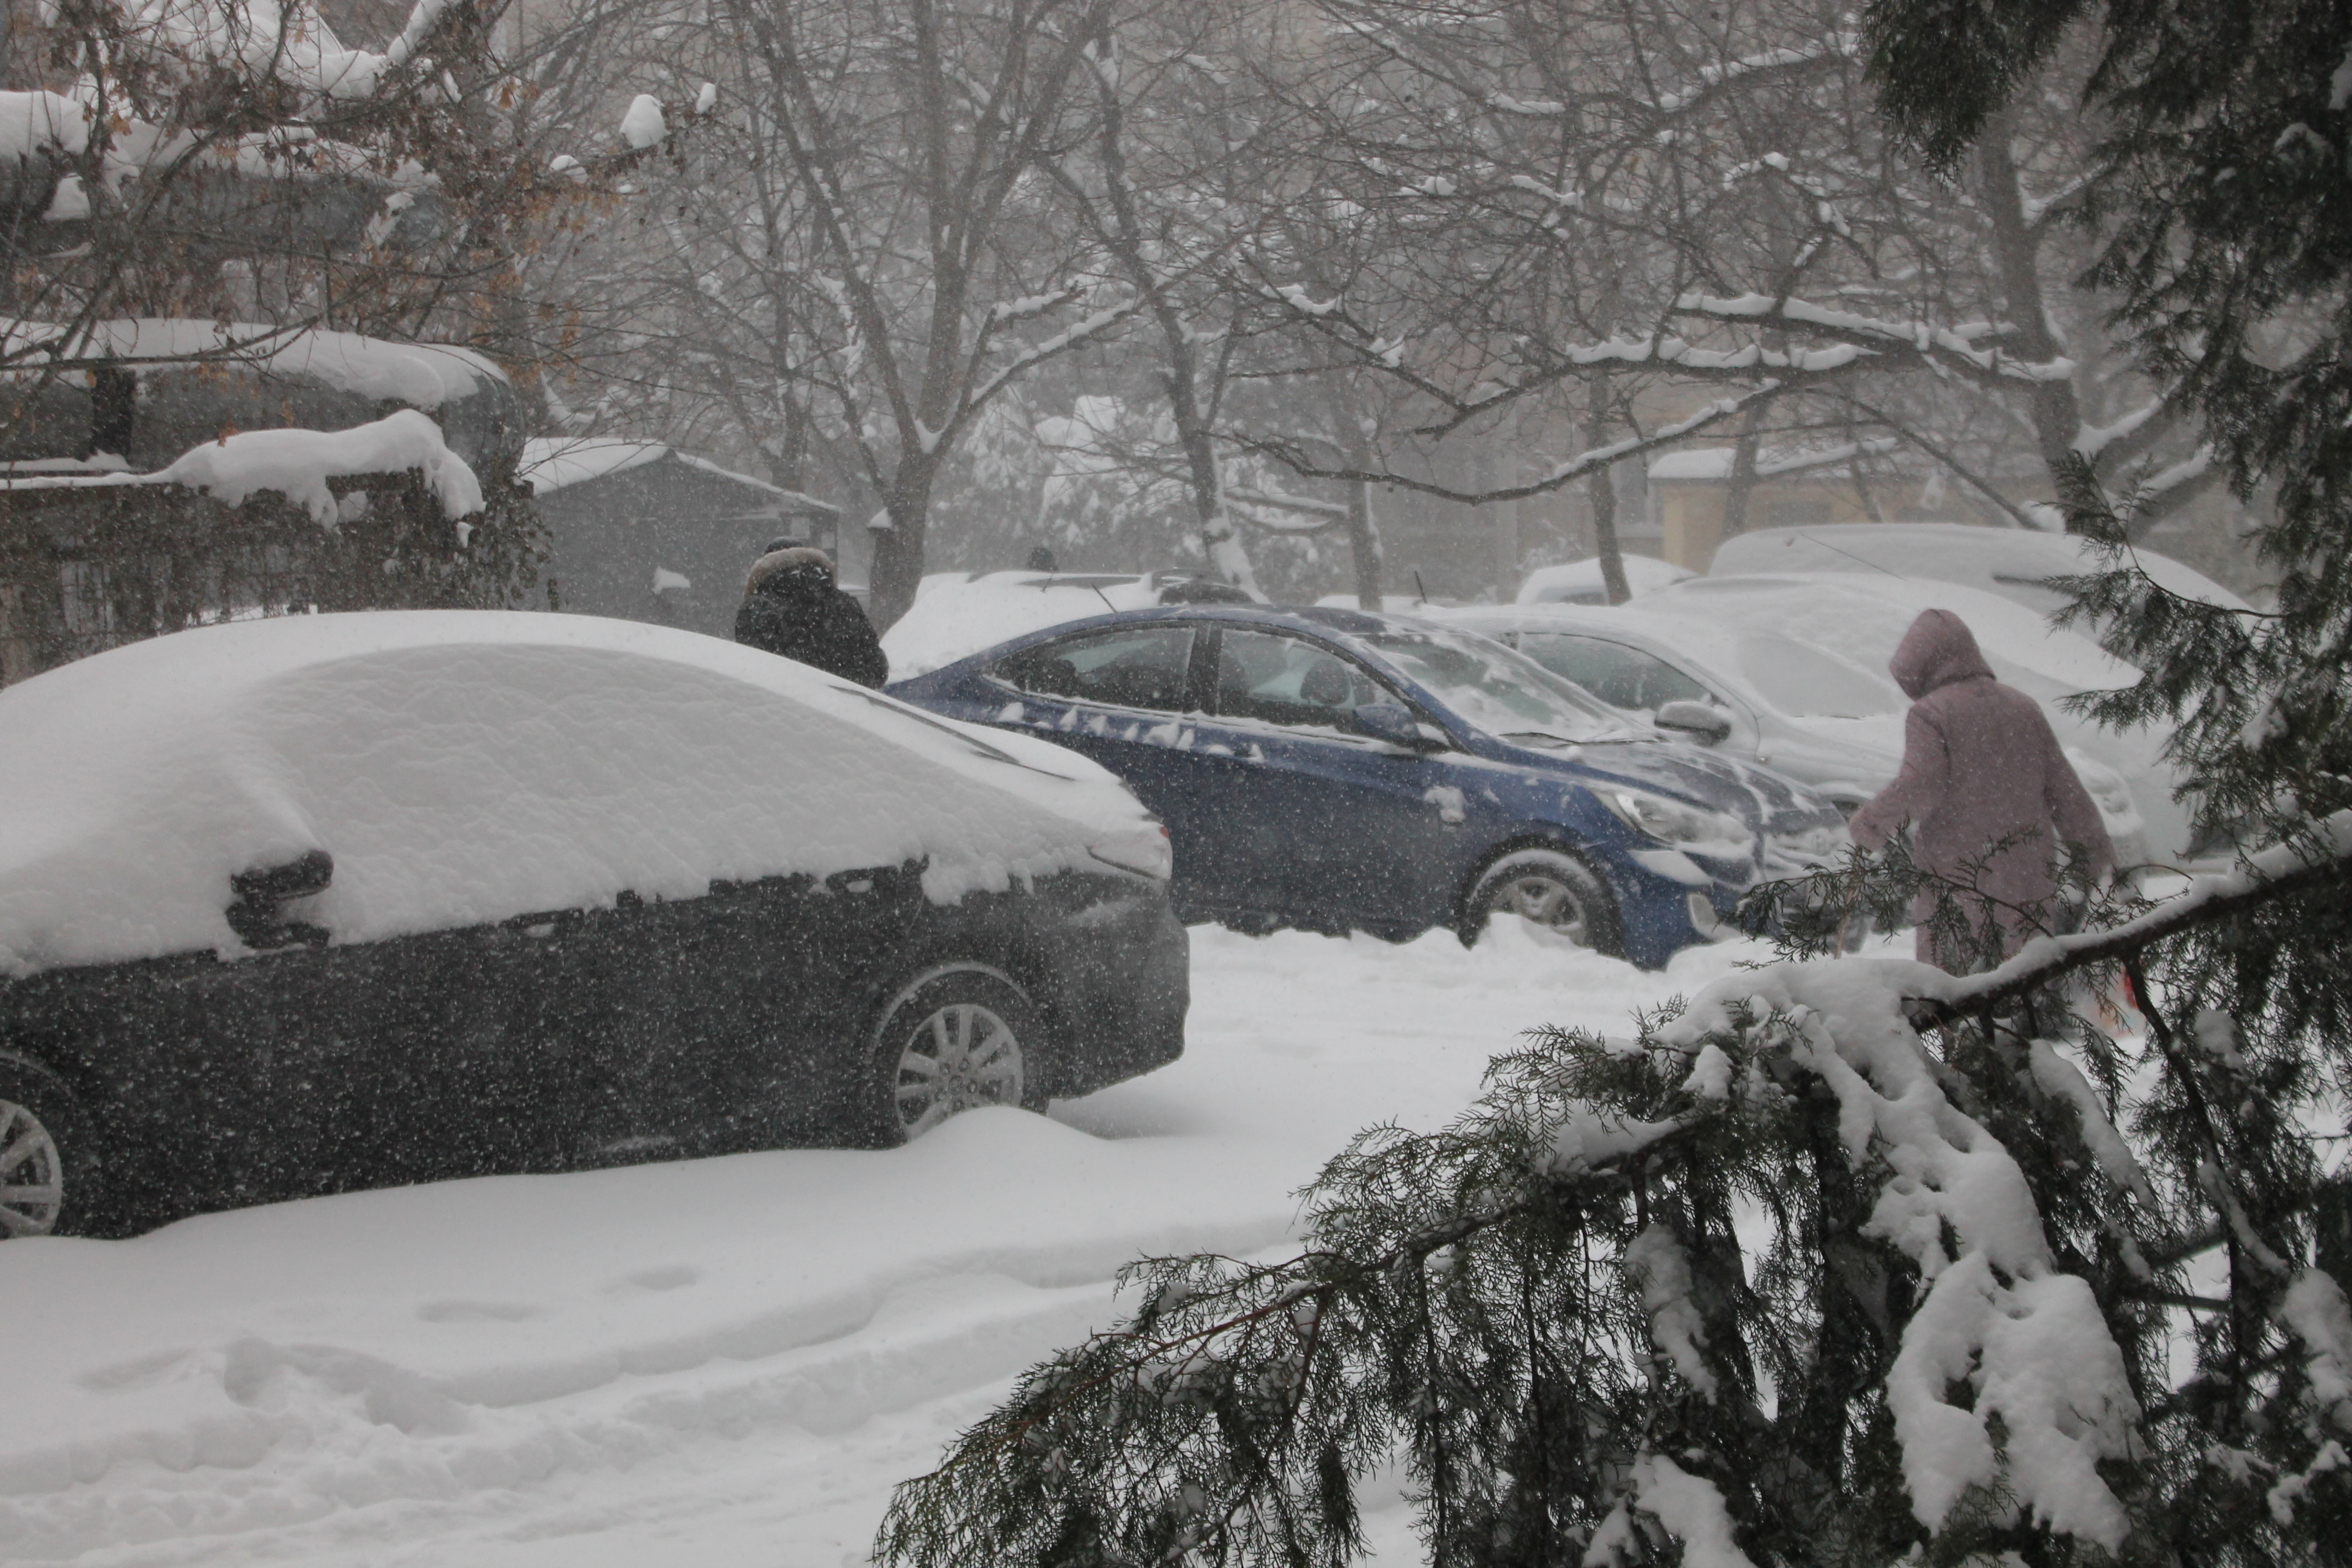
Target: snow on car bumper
1121,986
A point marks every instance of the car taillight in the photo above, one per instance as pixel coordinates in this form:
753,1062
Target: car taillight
1145,850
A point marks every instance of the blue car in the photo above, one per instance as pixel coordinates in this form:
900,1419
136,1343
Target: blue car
1334,770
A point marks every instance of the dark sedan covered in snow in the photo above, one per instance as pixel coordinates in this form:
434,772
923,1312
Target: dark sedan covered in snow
299,905
1335,770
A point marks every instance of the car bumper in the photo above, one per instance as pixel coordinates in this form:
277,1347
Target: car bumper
1687,899
1120,986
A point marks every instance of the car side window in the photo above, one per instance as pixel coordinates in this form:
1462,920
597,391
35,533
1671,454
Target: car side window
1283,680
1620,676
1131,667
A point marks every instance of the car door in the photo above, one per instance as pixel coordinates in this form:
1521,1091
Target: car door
1321,825
1130,696
319,1068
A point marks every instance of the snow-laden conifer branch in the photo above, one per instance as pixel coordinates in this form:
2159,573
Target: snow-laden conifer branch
2321,855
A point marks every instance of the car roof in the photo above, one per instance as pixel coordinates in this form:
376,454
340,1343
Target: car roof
2010,561
1317,618
468,766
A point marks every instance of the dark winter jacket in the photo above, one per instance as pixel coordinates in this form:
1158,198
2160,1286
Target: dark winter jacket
1981,767
791,608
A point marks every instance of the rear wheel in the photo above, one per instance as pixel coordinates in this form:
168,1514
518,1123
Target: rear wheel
955,1036
44,1167
1553,890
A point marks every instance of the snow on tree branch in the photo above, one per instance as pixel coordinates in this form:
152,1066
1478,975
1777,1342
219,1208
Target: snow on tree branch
1292,455
1915,337
1839,44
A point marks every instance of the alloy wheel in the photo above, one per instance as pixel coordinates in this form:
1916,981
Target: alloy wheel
32,1173
1545,899
961,1055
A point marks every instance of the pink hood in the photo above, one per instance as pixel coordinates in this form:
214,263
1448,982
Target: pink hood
1938,650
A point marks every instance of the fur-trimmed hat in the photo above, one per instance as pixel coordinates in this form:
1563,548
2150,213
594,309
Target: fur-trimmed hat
802,563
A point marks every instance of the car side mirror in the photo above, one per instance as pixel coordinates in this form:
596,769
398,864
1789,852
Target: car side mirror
1702,722
1392,722
255,915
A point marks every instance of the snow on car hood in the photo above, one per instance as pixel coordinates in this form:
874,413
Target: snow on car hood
1762,800
469,766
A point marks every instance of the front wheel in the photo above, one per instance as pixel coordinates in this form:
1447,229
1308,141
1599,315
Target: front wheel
953,1038
1552,888
43,1169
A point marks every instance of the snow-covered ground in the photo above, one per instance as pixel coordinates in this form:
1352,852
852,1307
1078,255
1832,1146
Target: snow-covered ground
719,1362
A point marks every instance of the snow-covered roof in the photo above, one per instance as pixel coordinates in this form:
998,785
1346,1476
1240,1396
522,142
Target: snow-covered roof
464,766
31,123
549,463
419,375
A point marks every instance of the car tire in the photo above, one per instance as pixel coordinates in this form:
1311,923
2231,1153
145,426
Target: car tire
952,1037
1553,888
47,1173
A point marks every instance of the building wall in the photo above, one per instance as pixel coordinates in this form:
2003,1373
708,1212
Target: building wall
608,537
1690,513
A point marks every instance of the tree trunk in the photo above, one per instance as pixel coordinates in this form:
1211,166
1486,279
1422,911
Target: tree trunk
899,549
1220,537
1740,486
2057,416
1601,491
1364,544
1348,434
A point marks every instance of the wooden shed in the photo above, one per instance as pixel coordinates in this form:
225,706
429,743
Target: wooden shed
1859,482
646,532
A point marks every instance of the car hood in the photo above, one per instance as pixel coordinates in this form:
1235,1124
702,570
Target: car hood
1763,800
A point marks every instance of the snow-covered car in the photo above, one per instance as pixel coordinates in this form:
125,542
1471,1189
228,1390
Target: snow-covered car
2013,563
1334,770
334,901
1861,618
1580,581
957,613
1751,692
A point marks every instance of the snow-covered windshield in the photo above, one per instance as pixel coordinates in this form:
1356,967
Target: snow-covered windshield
1805,681
1498,690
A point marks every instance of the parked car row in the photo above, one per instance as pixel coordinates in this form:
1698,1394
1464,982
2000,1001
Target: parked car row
299,905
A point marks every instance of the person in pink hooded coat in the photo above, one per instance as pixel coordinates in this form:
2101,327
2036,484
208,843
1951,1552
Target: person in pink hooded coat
1981,767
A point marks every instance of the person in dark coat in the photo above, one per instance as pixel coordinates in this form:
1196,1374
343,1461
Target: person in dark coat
791,607
1988,792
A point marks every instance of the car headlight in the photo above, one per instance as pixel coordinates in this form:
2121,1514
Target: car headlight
1710,833
1144,850
1806,850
